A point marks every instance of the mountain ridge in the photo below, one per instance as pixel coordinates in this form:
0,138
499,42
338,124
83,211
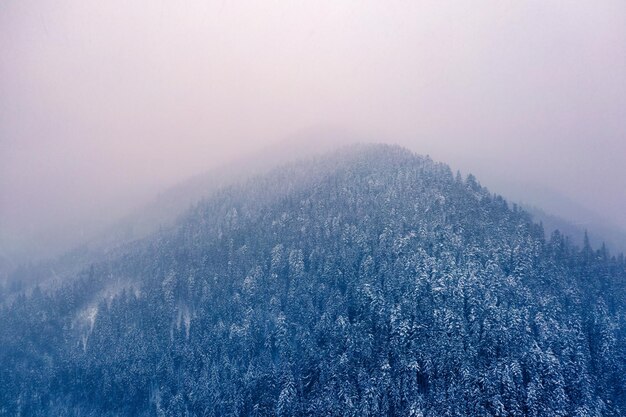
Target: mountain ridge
368,281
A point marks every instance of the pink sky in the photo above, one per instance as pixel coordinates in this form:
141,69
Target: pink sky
104,103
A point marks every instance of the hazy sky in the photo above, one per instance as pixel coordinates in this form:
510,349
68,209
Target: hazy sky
103,103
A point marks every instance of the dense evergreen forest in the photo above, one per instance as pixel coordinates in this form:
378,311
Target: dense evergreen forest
368,282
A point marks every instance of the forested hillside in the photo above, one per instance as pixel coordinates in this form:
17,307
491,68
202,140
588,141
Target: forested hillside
368,282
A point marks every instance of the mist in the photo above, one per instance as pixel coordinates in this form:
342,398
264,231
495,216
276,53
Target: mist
103,105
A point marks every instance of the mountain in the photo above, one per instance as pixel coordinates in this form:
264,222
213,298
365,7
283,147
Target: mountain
368,281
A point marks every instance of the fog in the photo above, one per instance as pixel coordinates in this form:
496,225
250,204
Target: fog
104,104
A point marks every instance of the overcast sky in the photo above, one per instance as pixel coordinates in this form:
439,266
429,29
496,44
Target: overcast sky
104,103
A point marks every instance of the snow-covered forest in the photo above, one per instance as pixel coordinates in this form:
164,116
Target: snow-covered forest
368,282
